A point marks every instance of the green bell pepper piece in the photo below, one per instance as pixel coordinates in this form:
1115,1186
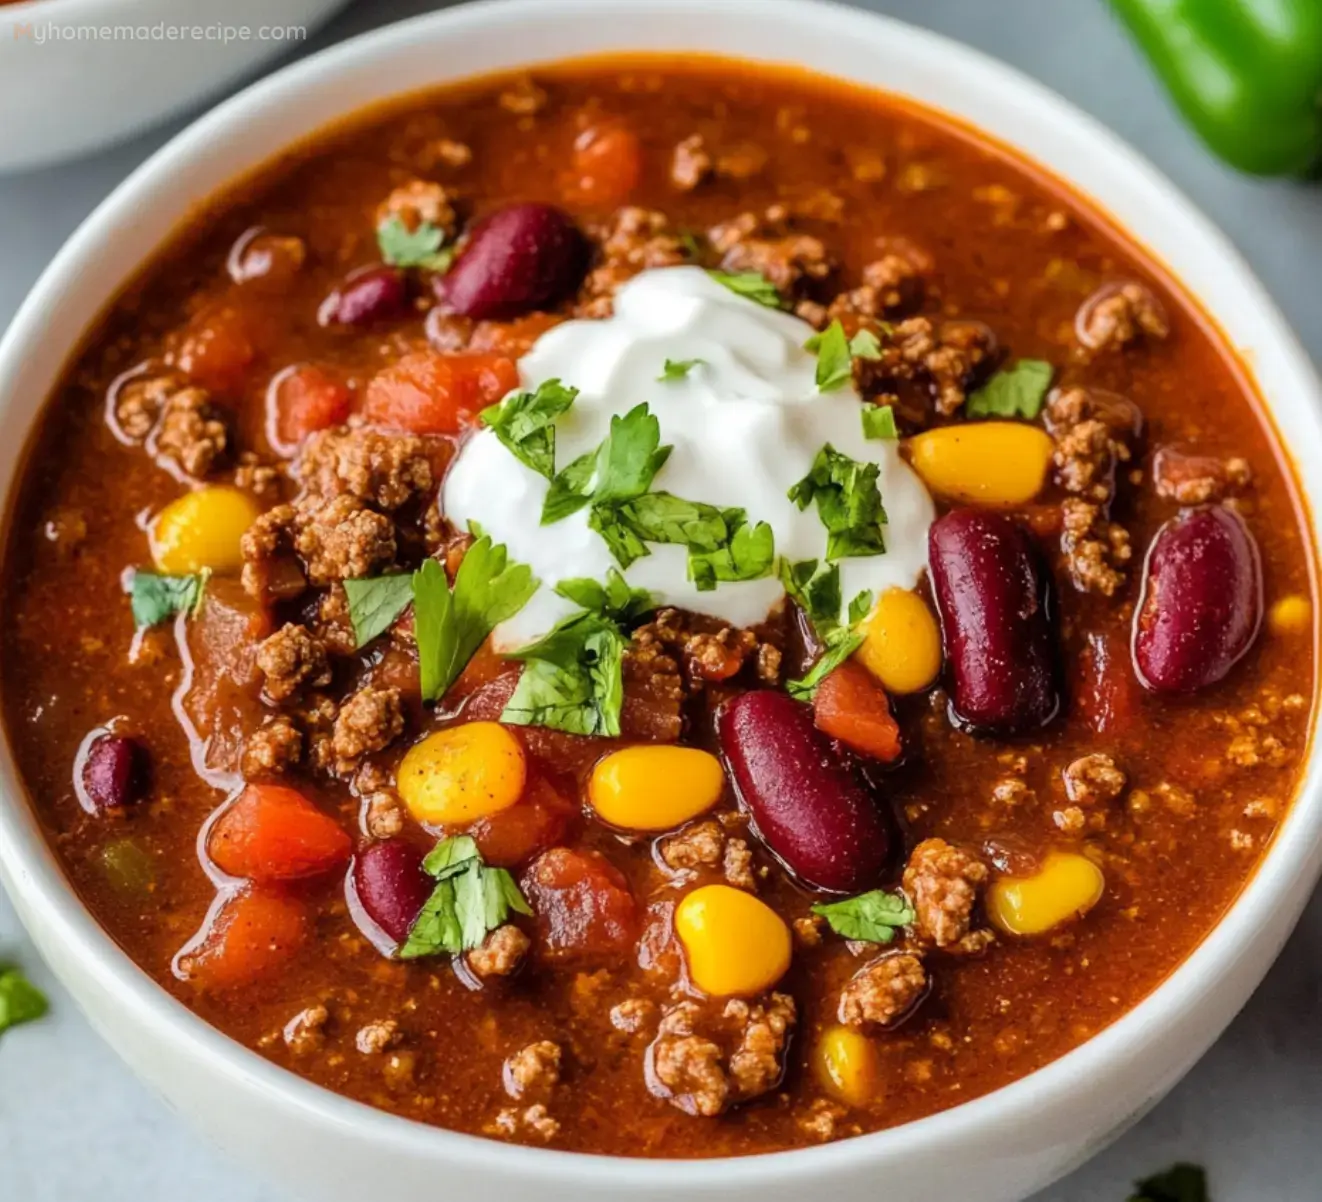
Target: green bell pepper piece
1247,75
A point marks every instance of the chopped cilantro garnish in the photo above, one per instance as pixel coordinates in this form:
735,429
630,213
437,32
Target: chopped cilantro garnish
470,901
872,917
614,599
375,603
816,590
841,643
1179,1183
836,354
423,246
678,369
570,489
154,598
860,607
20,1000
751,285
748,555
848,502
879,422
866,345
451,624
1016,391
525,423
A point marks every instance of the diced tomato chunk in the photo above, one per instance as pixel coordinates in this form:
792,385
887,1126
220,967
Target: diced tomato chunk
274,833
607,164
301,401
513,836
427,392
217,348
512,338
248,937
852,707
583,906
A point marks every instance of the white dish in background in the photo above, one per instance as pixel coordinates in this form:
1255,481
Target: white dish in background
62,94
996,1148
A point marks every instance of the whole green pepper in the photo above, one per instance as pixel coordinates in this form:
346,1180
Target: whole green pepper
1247,74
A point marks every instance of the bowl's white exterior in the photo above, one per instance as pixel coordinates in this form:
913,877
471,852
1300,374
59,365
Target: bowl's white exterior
60,98
996,1148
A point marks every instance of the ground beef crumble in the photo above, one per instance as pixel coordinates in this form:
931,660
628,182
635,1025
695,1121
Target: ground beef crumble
707,650
533,1070
384,470
291,658
368,721
179,423
884,991
343,540
501,953
706,845
948,359
1117,315
766,243
943,882
420,201
1093,780
633,240
275,747
1198,479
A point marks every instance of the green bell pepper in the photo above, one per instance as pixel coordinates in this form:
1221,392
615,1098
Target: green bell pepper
1247,74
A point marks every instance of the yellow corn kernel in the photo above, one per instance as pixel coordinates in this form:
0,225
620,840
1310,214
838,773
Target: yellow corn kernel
463,773
847,1066
1290,615
1066,886
735,945
202,529
655,788
983,463
901,642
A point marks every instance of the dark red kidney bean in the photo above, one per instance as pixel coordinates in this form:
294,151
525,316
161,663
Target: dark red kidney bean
391,885
993,598
112,771
520,258
1201,604
808,805
368,296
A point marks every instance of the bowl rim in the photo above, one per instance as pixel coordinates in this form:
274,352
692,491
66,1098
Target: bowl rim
35,879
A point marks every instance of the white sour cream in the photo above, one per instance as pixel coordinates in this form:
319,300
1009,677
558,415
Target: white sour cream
746,424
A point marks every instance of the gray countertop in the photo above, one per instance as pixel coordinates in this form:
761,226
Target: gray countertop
75,1125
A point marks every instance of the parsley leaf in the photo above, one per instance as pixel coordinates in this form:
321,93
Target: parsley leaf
841,643
1016,391
872,917
630,456
570,489
572,678
836,354
866,345
848,502
154,598
375,603
748,555
751,285
20,1000
1179,1183
525,423
662,517
816,591
879,422
614,599
423,246
470,901
451,624
678,369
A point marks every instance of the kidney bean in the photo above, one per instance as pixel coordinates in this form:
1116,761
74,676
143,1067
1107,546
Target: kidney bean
111,772
519,259
993,598
808,804
391,885
1201,604
374,294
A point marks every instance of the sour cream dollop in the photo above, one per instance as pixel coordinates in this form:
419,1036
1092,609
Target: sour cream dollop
746,423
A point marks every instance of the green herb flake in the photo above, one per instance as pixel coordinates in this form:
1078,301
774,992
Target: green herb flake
678,369
375,603
1179,1183
879,422
835,365
155,598
751,285
816,591
848,503
749,554
20,1000
615,599
872,917
423,246
570,489
525,423
866,345
451,624
840,645
630,457
860,607
1016,391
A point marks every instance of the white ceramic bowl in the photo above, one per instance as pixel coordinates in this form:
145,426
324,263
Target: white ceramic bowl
79,75
997,1148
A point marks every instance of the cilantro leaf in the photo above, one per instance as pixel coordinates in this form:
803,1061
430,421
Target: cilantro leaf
570,489
1179,1183
835,365
20,1000
436,929
451,624
375,603
630,456
614,599
848,502
662,517
872,917
841,643
751,285
525,423
623,541
450,857
423,246
860,607
1016,391
154,598
572,678
748,555
816,591
866,345
678,369
879,422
